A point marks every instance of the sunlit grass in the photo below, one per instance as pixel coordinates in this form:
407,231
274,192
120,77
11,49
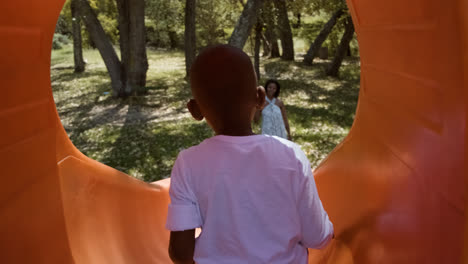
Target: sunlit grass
142,135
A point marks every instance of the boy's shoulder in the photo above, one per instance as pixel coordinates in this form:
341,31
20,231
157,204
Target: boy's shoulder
284,141
272,144
297,150
195,150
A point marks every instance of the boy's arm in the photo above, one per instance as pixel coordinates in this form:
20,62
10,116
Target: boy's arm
183,214
182,246
317,229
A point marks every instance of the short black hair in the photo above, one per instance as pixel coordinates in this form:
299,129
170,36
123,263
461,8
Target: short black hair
277,86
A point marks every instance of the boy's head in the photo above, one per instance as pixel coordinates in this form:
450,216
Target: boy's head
224,87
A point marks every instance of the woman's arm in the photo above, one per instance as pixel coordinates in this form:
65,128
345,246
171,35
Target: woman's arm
261,103
285,117
257,115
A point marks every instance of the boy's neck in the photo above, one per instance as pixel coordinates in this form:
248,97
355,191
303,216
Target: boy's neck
237,125
235,131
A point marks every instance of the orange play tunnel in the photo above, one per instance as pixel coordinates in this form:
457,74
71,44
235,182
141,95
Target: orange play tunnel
394,188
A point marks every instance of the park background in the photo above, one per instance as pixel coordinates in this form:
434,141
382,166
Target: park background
119,73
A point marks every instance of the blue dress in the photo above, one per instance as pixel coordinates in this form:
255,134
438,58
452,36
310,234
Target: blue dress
272,120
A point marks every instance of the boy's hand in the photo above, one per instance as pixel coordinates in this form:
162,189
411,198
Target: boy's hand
182,246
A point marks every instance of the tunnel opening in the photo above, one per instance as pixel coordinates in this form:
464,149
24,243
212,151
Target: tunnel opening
142,134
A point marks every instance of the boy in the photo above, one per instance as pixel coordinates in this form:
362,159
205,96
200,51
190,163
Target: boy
253,196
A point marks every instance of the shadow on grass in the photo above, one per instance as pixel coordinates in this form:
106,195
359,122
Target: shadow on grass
132,135
135,144
320,108
337,105
67,74
148,150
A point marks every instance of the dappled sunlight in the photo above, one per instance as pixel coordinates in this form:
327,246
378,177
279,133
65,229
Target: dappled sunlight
142,135
139,135
146,150
320,109
166,61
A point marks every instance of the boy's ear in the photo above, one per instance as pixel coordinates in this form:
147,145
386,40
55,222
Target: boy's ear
194,109
260,97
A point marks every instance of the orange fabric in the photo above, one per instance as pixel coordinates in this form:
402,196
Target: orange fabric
394,188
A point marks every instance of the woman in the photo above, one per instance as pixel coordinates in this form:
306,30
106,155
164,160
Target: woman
274,119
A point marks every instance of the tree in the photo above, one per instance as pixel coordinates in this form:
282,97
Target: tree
190,37
133,45
321,37
269,17
298,21
285,30
266,46
129,76
245,23
258,37
77,41
213,18
165,23
334,67
104,46
315,6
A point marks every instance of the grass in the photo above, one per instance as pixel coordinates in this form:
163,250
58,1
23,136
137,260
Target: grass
142,135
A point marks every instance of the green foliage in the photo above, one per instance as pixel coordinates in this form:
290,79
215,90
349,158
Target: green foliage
65,15
165,23
309,30
311,7
110,25
312,25
334,38
216,20
319,12
62,26
59,41
107,13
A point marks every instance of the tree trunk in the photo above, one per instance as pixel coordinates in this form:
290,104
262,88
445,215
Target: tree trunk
123,24
133,45
77,42
270,29
190,36
298,21
285,30
334,67
245,23
275,53
138,60
266,46
103,44
273,40
173,40
322,36
258,37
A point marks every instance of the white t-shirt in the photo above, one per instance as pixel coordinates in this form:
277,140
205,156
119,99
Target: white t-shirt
254,198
